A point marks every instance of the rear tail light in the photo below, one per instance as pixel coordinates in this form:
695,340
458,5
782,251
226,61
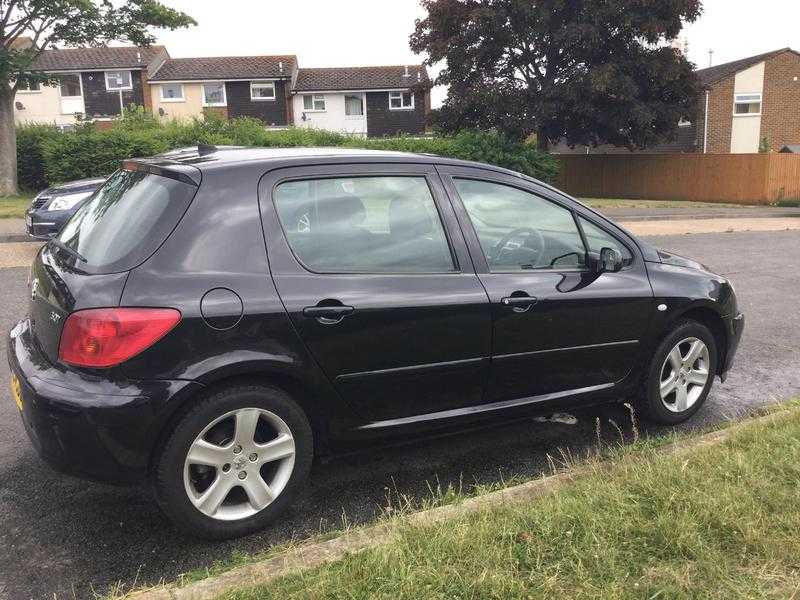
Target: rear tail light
105,337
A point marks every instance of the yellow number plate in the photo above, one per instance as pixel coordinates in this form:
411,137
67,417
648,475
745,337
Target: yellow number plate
16,391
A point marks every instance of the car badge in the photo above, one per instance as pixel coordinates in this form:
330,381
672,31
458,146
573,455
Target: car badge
34,288
55,317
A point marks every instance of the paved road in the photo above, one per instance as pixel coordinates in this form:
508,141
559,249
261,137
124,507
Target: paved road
62,536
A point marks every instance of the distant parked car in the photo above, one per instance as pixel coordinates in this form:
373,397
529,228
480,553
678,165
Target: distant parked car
211,322
54,206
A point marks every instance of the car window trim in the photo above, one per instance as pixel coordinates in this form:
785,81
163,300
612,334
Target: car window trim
471,224
427,176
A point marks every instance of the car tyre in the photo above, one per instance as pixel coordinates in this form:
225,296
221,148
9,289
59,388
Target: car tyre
215,426
680,375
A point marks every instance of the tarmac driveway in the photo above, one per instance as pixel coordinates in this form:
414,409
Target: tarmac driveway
68,537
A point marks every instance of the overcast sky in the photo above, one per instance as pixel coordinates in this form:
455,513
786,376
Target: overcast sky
331,33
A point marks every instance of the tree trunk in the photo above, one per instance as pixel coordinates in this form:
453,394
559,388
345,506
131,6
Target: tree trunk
542,143
8,142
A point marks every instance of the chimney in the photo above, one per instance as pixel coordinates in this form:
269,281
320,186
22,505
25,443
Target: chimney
280,66
138,56
419,76
406,73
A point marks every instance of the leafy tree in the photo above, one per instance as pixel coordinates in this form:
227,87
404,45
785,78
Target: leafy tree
589,71
28,27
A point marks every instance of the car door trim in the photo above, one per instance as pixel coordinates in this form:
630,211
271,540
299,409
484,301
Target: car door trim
483,408
413,369
566,349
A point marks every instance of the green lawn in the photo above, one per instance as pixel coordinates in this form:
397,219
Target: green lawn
601,203
722,522
14,206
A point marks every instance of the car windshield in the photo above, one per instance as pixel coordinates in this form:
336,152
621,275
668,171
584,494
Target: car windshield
125,221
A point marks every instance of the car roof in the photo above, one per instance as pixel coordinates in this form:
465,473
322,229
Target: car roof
205,157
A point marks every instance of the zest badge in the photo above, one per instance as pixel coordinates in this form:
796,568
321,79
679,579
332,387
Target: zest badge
34,288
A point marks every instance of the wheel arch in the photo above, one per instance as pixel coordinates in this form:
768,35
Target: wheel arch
712,319
306,397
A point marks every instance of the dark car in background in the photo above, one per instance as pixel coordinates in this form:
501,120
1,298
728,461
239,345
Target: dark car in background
53,207
210,322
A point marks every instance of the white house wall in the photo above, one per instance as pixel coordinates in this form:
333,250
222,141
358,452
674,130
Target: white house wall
333,118
43,106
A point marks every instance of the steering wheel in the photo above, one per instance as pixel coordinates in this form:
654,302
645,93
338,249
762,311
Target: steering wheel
502,246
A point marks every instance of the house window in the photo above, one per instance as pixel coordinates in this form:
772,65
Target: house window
118,80
401,101
70,85
262,90
354,106
172,92
314,102
747,104
214,94
29,86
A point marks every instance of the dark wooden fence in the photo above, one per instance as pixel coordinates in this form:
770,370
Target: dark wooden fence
739,178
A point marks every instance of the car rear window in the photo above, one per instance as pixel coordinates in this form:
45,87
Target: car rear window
126,220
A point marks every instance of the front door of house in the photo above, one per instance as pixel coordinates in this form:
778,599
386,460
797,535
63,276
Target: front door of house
71,94
355,113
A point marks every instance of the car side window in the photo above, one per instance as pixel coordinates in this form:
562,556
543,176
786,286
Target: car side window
364,225
520,231
597,239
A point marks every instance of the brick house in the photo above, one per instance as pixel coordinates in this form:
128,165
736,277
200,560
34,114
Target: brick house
750,101
93,83
364,101
742,104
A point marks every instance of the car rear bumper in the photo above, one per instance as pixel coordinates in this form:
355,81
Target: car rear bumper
88,426
734,328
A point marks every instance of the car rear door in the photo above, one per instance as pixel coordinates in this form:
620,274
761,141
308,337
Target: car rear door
374,272
560,329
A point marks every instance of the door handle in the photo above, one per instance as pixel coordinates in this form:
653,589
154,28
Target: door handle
328,315
519,303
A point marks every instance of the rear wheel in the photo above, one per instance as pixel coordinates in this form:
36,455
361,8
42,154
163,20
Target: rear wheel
681,374
234,462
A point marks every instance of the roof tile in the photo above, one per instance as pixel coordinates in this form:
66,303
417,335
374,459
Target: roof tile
226,67
712,75
87,59
361,78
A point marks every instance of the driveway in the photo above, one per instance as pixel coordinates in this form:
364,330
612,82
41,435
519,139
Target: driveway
68,537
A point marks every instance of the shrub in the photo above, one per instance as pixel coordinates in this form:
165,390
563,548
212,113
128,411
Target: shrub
52,157
30,159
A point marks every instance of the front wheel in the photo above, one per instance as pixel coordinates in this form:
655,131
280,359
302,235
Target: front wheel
681,374
234,462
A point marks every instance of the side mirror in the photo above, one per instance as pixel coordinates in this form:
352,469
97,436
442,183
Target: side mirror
610,261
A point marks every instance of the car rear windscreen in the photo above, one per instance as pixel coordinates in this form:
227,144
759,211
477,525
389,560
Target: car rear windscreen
126,220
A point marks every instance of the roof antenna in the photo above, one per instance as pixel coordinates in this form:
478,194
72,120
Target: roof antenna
711,57
205,149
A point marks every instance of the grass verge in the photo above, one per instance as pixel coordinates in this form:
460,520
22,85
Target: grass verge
14,206
600,203
720,522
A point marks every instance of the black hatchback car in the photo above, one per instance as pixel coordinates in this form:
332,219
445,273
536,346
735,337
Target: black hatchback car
212,321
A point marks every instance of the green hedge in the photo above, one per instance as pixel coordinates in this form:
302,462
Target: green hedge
47,156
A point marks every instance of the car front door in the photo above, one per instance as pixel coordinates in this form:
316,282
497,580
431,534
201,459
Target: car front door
373,269
560,328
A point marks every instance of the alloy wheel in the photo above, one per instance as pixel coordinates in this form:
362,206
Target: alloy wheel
684,375
239,464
